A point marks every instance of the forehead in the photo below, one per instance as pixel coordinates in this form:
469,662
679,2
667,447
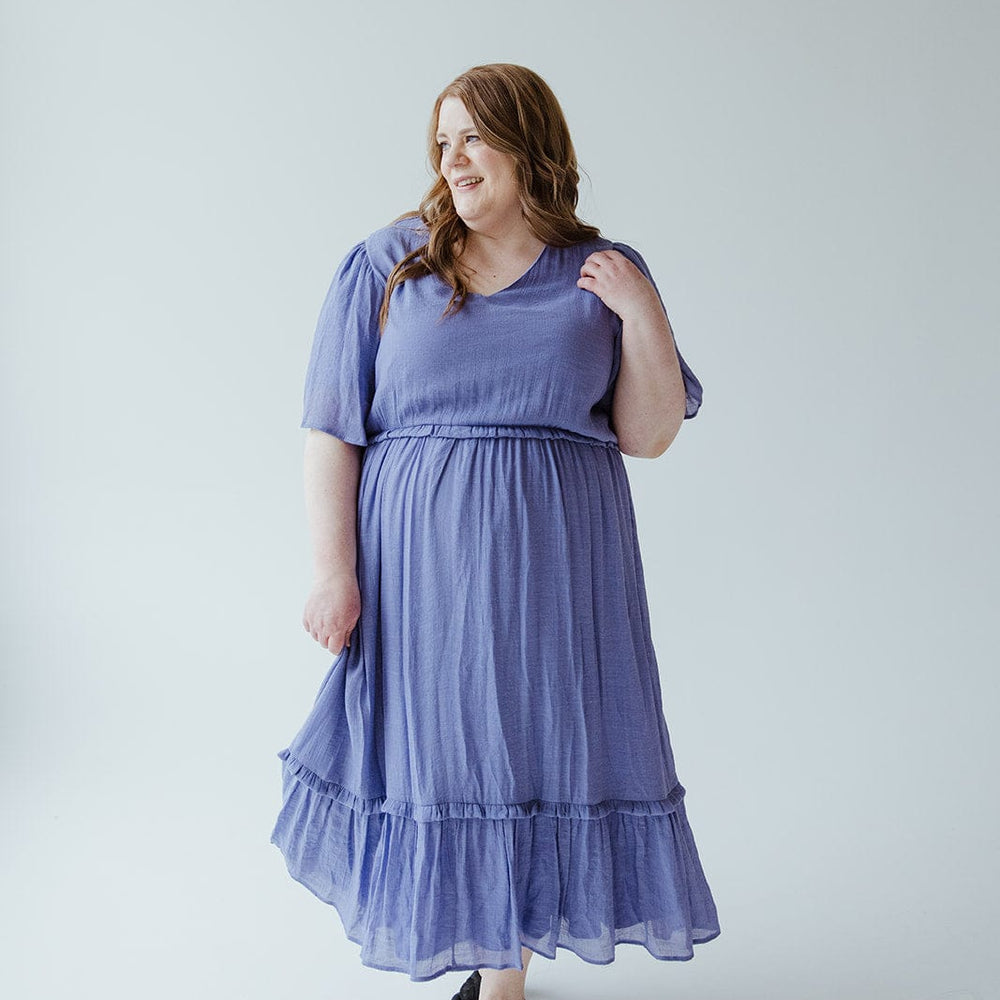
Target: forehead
453,115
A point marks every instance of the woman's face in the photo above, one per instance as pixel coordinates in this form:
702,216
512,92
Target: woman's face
488,201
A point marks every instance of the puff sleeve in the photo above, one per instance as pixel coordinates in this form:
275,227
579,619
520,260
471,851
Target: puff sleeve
692,386
340,378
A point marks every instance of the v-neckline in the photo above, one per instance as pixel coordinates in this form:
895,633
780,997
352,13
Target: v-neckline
517,280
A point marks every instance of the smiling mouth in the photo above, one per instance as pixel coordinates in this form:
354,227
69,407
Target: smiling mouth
468,182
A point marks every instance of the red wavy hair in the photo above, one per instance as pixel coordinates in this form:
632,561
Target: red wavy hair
515,112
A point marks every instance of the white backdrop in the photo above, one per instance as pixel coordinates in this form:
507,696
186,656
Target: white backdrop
814,187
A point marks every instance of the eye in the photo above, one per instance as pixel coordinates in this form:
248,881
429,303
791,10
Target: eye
442,144
470,136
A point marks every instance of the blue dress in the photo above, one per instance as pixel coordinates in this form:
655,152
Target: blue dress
487,765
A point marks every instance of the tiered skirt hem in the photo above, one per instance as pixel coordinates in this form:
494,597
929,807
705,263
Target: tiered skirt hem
429,888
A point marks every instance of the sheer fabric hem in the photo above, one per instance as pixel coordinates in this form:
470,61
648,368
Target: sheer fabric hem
424,897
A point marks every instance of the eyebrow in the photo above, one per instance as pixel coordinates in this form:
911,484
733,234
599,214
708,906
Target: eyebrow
461,131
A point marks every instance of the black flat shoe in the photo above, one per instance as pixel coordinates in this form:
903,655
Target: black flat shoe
470,988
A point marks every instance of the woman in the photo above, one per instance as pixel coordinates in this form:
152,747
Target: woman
486,771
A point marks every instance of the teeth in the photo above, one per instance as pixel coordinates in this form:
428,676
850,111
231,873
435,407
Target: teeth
468,181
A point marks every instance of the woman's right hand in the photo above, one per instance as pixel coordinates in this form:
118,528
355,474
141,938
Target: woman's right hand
332,610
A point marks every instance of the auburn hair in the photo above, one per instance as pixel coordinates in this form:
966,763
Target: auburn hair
515,112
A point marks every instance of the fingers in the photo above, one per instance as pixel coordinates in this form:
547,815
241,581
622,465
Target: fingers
603,258
591,266
333,641
588,276
339,643
600,264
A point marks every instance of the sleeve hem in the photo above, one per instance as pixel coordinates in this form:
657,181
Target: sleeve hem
340,437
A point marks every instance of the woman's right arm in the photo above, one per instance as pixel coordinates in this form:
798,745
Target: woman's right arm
332,472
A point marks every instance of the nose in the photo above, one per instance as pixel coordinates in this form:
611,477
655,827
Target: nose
450,157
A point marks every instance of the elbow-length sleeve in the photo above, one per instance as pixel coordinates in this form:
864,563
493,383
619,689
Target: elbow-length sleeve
692,385
340,378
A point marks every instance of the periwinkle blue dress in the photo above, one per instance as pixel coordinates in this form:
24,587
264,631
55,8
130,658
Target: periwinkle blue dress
487,765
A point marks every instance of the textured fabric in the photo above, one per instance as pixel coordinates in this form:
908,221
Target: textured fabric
488,764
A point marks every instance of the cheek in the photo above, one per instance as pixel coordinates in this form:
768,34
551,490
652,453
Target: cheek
504,172
499,165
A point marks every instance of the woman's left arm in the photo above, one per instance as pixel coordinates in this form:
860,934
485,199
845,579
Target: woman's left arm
649,399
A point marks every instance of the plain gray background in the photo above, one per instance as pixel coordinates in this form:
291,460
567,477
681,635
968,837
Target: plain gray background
814,188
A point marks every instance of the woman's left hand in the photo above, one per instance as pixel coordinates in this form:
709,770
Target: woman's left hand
619,284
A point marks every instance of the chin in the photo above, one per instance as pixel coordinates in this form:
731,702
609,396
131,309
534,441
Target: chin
467,217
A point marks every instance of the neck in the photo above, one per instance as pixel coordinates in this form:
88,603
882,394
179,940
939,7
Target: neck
513,240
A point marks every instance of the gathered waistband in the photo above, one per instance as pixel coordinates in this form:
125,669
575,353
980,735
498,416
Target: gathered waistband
488,431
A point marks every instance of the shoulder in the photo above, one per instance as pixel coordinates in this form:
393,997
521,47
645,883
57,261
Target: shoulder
598,244
387,246
626,249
